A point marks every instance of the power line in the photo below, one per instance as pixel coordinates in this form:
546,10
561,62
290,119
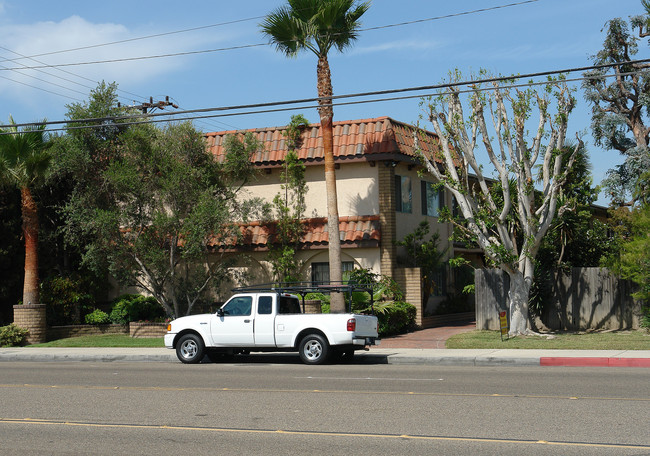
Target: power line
157,35
39,88
448,16
46,82
246,46
148,57
61,70
138,119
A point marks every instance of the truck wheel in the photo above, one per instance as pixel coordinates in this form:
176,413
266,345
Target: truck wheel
190,349
313,349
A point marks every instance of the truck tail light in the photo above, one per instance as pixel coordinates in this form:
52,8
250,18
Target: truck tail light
352,324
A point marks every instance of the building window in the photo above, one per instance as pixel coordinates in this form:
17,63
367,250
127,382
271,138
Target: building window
432,199
403,194
320,272
439,280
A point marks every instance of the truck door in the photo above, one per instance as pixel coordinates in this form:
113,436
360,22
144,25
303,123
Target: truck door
233,325
264,333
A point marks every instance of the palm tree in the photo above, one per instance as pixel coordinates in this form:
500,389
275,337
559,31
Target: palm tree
24,161
319,25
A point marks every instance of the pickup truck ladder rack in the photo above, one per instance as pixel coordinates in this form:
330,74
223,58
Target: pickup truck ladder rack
303,288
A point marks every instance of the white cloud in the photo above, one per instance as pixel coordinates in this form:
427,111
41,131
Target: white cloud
76,32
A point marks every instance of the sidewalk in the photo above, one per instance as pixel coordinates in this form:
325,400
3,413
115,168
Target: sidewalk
419,347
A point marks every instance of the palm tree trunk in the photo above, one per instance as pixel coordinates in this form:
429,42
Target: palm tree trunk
326,112
30,233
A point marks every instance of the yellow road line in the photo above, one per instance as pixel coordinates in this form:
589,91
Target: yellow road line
313,391
30,421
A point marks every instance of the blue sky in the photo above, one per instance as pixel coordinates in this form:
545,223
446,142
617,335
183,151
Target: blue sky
539,36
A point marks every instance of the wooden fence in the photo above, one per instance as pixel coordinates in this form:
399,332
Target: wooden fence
587,298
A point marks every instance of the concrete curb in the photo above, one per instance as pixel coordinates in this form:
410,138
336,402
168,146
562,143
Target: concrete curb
442,357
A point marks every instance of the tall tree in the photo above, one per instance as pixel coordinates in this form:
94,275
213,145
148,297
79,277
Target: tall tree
620,104
11,254
504,217
151,205
289,208
319,26
171,209
24,161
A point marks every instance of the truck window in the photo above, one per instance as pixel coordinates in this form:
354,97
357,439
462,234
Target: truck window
264,305
240,305
289,305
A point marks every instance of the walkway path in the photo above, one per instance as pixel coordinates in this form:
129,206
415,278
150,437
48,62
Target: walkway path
427,338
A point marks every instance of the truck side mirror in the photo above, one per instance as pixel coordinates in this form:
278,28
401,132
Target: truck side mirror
220,313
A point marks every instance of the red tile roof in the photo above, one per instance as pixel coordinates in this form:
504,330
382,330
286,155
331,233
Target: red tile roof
365,138
355,231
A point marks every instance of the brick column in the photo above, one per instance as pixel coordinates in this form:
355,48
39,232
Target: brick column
388,251
32,318
410,281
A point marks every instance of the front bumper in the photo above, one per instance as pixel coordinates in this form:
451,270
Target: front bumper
169,340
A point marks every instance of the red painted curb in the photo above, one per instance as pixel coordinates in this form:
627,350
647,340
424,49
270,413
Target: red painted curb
594,362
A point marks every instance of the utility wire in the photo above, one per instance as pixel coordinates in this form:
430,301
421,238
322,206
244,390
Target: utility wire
59,66
40,88
157,35
231,48
147,57
352,95
157,117
447,16
62,71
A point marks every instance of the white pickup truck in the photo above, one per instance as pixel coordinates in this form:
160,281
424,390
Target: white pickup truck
270,321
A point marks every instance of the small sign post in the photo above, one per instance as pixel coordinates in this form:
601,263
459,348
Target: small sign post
503,319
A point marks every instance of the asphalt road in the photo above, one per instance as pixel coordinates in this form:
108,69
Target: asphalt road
284,409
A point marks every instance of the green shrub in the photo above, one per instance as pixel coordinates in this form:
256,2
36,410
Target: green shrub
395,317
146,308
66,300
97,317
129,308
645,317
120,312
12,336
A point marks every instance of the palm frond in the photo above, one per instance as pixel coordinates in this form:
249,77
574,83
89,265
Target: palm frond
23,154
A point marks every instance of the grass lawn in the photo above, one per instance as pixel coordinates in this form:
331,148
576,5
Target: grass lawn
104,340
597,340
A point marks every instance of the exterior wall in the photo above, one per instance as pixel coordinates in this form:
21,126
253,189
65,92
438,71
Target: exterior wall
386,180
409,280
146,330
407,223
62,332
356,188
257,269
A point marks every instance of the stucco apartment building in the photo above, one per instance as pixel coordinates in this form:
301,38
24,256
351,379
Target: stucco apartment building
381,198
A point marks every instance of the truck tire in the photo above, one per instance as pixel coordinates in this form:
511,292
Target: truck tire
313,349
190,349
